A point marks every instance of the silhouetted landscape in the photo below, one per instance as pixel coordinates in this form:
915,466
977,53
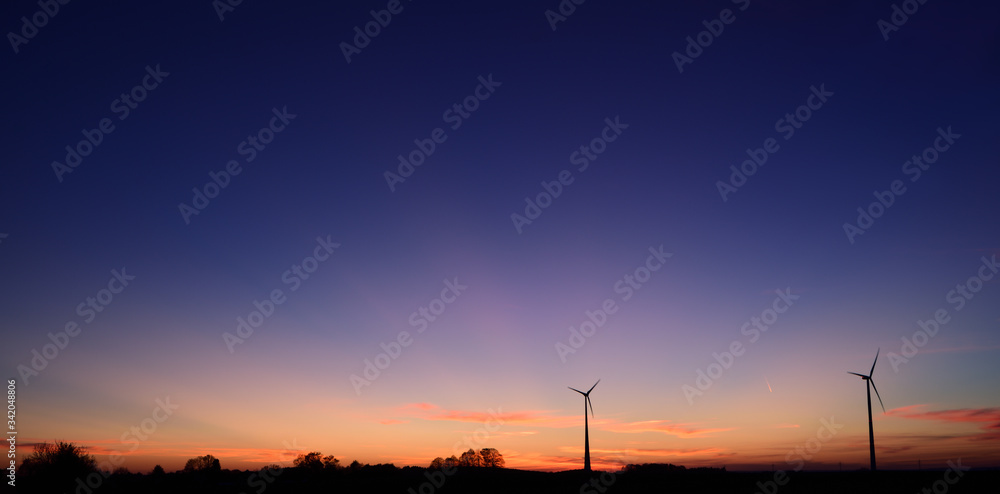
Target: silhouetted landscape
63,467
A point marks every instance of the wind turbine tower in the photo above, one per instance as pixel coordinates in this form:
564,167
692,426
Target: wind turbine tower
586,426
870,384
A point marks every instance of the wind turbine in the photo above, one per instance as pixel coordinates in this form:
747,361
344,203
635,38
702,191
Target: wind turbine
869,385
586,427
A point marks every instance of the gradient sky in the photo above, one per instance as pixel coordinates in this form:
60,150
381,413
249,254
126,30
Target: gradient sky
486,372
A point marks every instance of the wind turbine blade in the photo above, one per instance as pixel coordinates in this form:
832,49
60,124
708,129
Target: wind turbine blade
855,373
591,405
592,387
872,372
876,394
578,391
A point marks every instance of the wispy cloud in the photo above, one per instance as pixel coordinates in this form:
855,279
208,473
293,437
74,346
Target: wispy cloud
664,426
547,418
975,415
429,411
503,433
419,406
987,418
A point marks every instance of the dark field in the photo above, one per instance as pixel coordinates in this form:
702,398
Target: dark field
483,480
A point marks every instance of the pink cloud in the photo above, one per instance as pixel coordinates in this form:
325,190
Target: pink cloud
664,426
419,406
429,411
974,415
546,418
987,418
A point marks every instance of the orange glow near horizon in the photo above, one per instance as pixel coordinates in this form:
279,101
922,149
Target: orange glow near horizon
530,440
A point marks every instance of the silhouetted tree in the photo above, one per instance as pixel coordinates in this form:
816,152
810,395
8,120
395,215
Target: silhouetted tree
437,463
451,462
207,463
470,458
355,466
56,466
492,458
330,462
158,470
312,461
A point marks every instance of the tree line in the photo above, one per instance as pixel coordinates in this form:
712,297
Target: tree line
486,457
65,467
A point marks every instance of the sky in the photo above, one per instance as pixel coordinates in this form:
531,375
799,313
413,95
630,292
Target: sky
258,230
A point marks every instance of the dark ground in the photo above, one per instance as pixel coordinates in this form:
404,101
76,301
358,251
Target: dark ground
476,480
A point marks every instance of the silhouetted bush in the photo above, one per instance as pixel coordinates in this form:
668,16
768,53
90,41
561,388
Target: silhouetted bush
207,463
55,467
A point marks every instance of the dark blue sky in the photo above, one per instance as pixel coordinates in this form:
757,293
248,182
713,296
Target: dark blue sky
655,184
